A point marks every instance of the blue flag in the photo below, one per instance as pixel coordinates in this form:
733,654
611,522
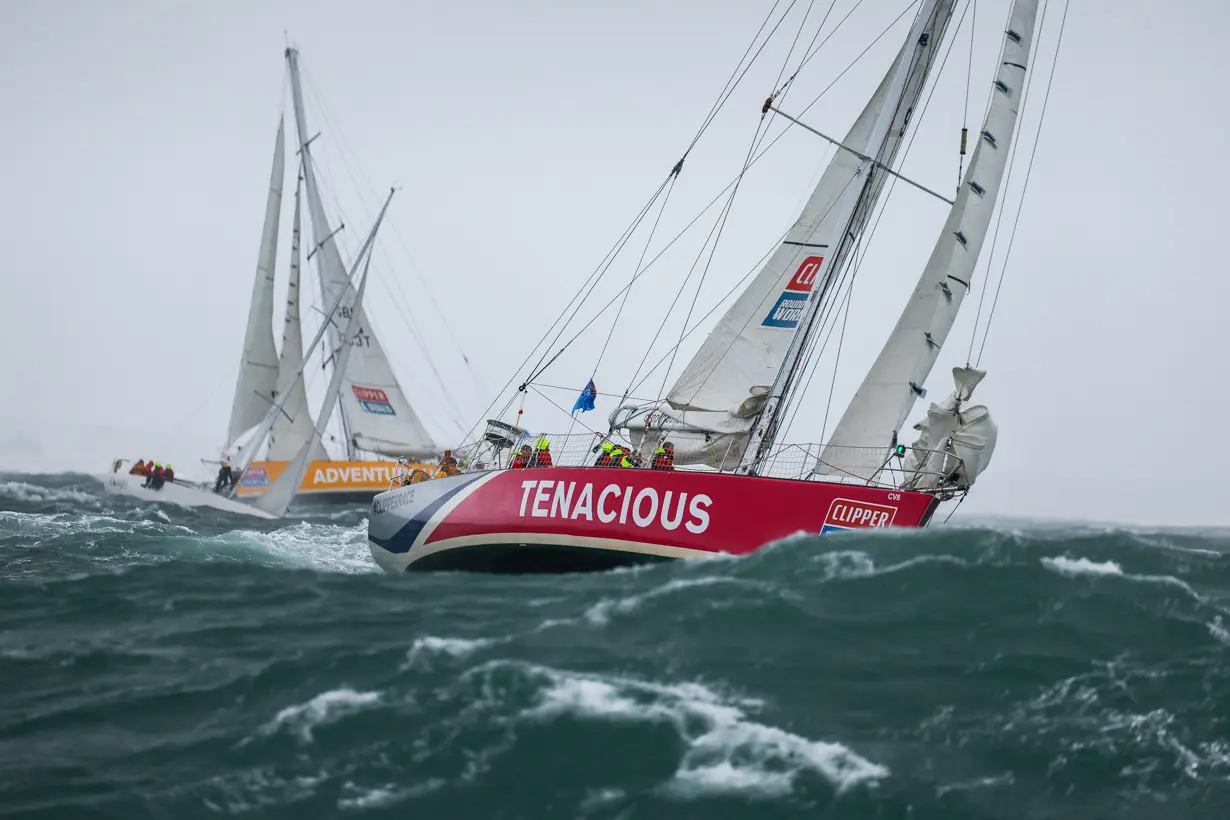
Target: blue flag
585,401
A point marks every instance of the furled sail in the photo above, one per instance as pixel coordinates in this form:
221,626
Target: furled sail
258,366
720,394
293,426
864,438
375,411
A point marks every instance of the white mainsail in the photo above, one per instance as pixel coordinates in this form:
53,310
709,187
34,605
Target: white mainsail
375,411
863,439
258,366
293,426
720,394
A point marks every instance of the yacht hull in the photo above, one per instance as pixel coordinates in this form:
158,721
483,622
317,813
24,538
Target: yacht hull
566,519
176,492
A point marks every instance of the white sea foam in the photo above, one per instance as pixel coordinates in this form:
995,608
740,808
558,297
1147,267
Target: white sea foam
725,750
325,708
424,649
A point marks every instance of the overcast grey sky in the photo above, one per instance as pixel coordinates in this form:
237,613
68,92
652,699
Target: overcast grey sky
136,147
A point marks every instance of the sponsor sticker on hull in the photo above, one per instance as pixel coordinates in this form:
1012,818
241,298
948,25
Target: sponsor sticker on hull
847,514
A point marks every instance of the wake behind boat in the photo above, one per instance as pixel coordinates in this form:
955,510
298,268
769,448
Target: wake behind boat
715,478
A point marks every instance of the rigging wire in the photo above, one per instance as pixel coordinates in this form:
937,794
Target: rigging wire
969,81
636,270
718,197
414,267
1025,185
728,90
402,305
762,130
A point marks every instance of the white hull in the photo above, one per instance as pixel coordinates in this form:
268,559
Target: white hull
174,492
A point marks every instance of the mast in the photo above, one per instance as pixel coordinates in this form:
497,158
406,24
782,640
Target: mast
906,83
325,243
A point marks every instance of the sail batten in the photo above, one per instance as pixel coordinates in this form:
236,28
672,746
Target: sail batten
872,421
375,411
258,365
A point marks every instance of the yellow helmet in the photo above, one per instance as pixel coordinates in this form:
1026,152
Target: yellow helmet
542,443
607,446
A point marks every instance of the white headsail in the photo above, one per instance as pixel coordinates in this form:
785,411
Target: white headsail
863,439
720,394
277,499
258,366
293,426
375,411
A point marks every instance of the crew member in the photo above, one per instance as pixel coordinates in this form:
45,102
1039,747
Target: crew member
138,468
169,473
225,477
664,457
521,458
448,465
604,456
155,480
542,453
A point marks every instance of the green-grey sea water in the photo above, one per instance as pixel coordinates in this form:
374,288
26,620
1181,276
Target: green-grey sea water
157,662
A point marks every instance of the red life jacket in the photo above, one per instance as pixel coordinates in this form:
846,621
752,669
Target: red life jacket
517,463
542,458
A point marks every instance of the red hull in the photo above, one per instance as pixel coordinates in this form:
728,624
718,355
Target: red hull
517,520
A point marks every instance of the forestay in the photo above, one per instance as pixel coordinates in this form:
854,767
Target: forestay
719,395
258,366
376,413
293,426
863,439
